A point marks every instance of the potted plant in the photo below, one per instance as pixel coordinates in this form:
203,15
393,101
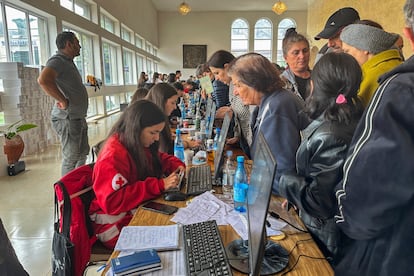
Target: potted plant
14,144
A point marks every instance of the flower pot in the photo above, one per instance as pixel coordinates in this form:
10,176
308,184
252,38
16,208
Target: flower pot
13,148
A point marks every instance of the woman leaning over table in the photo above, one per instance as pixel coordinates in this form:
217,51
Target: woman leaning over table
242,134
280,115
130,170
165,96
335,109
296,53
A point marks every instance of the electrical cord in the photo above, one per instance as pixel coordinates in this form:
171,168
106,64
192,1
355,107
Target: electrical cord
300,255
276,216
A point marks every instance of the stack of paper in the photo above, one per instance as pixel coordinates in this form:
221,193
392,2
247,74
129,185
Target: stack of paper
160,238
137,263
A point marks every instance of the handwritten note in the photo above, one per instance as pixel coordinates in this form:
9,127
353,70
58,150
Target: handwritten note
147,237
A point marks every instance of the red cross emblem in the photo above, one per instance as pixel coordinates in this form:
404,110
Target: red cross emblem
118,181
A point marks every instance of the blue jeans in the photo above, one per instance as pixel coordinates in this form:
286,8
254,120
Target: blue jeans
73,136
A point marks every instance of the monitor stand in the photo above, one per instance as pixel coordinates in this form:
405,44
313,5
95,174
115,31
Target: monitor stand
275,258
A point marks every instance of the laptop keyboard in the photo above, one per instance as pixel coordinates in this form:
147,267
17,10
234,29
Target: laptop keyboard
204,250
199,180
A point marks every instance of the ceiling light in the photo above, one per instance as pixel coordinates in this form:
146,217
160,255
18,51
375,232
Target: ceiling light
184,8
279,7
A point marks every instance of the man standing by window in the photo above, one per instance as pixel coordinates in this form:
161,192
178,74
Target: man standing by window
61,80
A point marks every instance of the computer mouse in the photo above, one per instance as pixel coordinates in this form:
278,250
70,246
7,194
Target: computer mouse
175,196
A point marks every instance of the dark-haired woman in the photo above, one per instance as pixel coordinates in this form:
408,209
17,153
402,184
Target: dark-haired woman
242,134
296,53
165,96
130,170
335,109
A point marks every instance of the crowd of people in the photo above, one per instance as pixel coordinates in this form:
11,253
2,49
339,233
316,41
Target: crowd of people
341,133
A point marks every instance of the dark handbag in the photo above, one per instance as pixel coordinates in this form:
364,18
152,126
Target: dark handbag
62,247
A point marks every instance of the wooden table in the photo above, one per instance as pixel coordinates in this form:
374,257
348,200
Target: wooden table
305,266
297,242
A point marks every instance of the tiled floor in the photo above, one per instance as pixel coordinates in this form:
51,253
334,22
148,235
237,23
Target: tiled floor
26,202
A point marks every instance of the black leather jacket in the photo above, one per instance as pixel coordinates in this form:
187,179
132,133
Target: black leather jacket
319,162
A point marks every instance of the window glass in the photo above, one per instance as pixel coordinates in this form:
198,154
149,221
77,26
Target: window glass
139,41
38,33
281,30
140,64
3,48
18,35
128,69
263,38
107,23
83,9
68,4
110,63
80,7
126,34
84,62
239,37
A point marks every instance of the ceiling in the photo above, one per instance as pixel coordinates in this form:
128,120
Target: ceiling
229,5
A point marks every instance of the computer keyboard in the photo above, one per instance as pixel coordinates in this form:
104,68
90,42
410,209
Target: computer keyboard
204,250
199,180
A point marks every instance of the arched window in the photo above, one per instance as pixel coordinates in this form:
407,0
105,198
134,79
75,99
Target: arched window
281,30
239,37
263,31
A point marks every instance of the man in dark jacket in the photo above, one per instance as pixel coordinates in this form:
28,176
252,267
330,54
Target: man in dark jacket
376,197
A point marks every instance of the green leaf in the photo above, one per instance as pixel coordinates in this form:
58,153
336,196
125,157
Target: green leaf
25,127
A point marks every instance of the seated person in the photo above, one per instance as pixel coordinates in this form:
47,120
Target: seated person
176,113
139,94
165,97
130,170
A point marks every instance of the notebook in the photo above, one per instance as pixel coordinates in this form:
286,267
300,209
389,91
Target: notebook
136,263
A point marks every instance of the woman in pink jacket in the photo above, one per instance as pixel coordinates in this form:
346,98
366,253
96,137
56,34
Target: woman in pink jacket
130,170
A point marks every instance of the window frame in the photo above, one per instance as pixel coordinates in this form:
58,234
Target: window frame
239,51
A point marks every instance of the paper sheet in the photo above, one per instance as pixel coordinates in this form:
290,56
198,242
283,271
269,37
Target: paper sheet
206,84
147,237
202,208
239,223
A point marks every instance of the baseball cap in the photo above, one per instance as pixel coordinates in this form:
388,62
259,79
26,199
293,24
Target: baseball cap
338,20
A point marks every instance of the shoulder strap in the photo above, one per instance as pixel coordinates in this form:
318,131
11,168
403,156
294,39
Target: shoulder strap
67,209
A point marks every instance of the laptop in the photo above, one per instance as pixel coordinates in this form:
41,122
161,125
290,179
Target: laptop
212,117
200,178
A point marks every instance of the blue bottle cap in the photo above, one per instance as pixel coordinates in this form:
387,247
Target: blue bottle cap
240,159
178,131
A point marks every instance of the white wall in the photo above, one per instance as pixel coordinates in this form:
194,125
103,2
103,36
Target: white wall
211,29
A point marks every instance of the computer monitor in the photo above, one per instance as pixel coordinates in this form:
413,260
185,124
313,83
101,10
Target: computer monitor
218,157
258,256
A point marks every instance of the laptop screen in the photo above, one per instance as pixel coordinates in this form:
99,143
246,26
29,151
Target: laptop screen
212,117
218,158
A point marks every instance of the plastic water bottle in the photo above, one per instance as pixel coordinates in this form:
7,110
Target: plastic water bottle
208,125
240,186
178,145
216,139
197,120
183,110
229,171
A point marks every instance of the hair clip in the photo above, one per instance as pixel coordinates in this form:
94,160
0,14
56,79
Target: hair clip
341,99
